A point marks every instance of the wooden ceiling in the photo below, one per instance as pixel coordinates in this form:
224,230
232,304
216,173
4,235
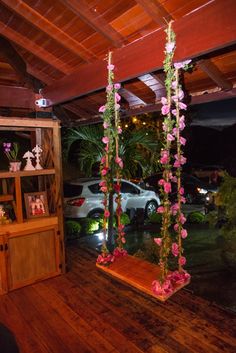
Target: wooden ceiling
59,47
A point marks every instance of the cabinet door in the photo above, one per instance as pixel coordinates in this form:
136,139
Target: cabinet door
32,257
3,269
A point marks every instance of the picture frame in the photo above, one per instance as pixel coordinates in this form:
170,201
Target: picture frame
36,204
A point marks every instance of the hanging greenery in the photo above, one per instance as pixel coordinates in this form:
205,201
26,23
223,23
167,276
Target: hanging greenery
173,125
111,166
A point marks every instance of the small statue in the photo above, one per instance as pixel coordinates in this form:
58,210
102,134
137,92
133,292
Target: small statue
37,150
29,165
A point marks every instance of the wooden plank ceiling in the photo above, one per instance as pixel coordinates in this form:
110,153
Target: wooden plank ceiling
59,47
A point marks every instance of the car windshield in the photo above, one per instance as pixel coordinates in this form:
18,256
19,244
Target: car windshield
71,190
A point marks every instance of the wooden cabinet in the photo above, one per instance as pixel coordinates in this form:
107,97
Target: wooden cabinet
33,249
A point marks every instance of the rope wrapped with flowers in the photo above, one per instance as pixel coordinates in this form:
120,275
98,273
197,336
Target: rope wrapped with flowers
173,125
111,165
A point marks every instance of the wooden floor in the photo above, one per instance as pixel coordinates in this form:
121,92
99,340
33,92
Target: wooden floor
87,311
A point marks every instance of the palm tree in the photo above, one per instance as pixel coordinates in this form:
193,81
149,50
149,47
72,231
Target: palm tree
137,148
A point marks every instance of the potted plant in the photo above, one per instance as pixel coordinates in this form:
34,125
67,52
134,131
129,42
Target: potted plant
11,150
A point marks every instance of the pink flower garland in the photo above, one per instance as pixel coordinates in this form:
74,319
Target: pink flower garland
173,125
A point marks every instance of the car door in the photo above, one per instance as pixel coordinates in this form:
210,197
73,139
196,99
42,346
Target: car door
131,196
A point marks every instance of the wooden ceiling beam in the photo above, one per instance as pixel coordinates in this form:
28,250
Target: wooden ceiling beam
198,99
156,11
33,48
16,97
211,28
94,20
131,98
72,107
153,84
40,22
215,74
19,65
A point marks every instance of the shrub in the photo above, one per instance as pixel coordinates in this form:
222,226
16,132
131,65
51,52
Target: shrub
196,217
73,229
155,217
125,219
92,225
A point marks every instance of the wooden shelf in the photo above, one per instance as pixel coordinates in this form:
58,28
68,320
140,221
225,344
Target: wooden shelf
25,173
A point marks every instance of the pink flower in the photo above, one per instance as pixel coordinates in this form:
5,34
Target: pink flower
110,67
105,140
182,261
181,65
109,88
175,131
182,105
169,47
106,214
181,190
161,182
184,233
170,137
182,141
167,188
103,189
119,130
102,109
119,252
175,249
164,157
123,240
160,209
104,171
174,112
163,101
105,125
119,161
174,209
117,85
174,84
183,199
117,106
162,289
177,164
178,277
120,227
103,183
105,259
158,241
165,109
103,159
117,97
182,219
176,227
174,179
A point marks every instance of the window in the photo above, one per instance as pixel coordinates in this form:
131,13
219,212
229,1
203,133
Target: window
71,190
127,188
95,188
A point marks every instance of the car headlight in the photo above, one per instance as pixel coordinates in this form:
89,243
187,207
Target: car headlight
202,191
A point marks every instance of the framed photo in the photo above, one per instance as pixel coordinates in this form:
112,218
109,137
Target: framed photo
36,204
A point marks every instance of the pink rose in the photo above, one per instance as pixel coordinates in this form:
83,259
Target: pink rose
117,97
119,161
182,141
117,85
182,105
105,139
109,88
102,109
160,209
167,188
165,110
104,171
158,241
119,130
164,157
161,182
106,214
110,67
174,209
163,101
184,233
181,191
175,249
170,137
174,112
176,227
182,261
169,47
105,125
182,219
103,159
103,189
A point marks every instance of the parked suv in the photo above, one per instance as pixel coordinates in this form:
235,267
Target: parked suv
83,198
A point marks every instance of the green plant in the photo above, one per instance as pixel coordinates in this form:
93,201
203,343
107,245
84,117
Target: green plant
91,225
73,229
196,217
124,219
155,217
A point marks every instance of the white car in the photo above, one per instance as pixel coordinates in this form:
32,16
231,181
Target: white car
83,198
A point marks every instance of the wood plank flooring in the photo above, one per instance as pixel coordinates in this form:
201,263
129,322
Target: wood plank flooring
86,311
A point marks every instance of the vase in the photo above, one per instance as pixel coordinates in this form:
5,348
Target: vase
14,166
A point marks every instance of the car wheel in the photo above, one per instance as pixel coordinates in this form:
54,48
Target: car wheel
150,208
96,214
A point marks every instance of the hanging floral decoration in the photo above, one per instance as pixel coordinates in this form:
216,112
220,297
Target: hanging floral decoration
111,165
173,125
